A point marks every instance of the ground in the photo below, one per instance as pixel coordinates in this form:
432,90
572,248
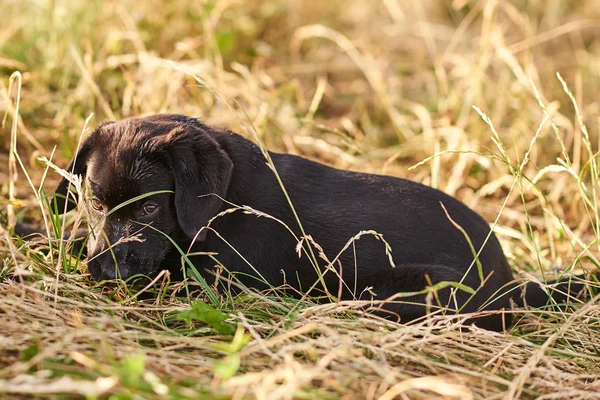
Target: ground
494,102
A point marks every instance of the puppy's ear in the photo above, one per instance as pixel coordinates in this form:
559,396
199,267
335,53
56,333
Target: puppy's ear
78,166
202,172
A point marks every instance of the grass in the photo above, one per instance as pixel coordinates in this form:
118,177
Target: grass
494,102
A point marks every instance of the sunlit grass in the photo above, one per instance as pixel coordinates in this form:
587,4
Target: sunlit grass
370,86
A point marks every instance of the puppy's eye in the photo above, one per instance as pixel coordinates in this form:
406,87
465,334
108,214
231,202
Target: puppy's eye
97,205
148,209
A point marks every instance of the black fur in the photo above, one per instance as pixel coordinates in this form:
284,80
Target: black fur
203,166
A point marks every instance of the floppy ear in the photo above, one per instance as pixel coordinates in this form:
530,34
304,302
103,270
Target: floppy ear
202,172
78,166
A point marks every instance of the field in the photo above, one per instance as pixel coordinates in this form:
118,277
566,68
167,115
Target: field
494,102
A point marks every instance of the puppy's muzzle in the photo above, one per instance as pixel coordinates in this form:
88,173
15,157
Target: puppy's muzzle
110,264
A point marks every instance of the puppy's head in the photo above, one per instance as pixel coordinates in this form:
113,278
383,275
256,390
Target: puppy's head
132,158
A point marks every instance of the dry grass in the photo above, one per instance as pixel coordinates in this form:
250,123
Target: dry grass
374,86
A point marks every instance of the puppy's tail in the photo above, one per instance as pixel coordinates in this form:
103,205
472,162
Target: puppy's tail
558,293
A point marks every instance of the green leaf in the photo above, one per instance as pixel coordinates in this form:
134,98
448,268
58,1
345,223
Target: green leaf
291,320
239,341
227,367
200,311
132,368
225,41
209,6
29,352
444,284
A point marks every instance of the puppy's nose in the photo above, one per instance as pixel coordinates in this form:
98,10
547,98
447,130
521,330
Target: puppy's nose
95,272
109,273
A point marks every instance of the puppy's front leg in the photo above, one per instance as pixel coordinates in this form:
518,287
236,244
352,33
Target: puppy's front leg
78,241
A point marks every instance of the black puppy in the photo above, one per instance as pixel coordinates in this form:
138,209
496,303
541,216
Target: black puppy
203,171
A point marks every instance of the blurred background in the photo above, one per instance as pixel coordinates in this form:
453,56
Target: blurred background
375,86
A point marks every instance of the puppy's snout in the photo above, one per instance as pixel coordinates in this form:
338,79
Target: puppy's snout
109,273
109,264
